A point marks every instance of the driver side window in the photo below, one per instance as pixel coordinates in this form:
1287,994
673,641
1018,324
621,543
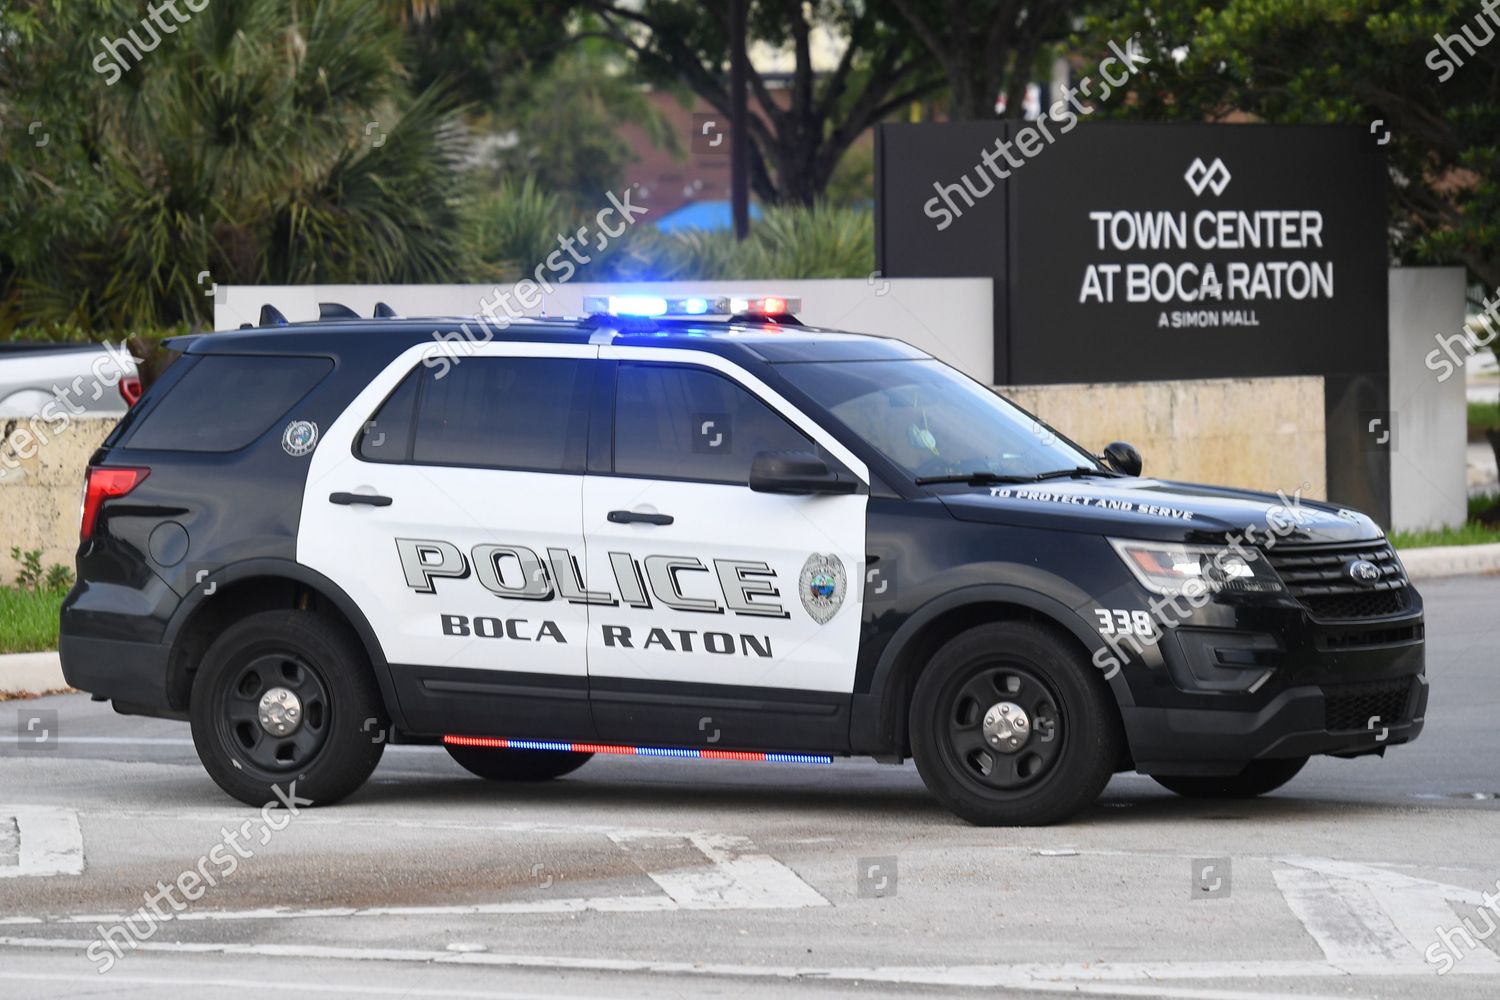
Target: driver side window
683,423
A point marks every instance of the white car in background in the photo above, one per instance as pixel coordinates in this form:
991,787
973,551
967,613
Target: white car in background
83,379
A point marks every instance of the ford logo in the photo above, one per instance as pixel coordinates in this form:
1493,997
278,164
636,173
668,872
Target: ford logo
1363,571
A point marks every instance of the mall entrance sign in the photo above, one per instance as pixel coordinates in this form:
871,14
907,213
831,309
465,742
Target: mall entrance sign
1127,252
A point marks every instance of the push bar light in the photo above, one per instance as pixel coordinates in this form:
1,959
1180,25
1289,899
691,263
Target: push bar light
690,305
752,755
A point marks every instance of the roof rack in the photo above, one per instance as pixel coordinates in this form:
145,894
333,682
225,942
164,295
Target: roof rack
271,316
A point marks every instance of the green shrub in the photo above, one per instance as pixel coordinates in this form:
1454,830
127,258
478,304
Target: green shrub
32,576
516,228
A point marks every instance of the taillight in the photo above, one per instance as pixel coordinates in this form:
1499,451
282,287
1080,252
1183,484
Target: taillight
130,390
105,484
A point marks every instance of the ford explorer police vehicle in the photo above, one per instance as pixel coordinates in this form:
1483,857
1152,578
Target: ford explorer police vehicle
696,528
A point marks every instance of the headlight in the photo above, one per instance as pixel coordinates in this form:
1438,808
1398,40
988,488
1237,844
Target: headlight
1171,569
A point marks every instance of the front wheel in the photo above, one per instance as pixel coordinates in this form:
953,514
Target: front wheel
1258,778
517,765
284,701
1011,726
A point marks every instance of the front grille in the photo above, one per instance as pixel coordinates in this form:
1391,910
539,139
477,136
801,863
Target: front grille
1367,637
1348,707
1368,604
1317,575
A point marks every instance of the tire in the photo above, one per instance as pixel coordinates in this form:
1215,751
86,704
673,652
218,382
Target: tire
517,765
335,737
1258,778
1037,780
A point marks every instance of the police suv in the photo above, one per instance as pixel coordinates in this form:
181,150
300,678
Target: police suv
659,531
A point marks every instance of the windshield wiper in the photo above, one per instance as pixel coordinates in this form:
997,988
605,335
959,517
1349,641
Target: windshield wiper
973,479
1076,473
987,478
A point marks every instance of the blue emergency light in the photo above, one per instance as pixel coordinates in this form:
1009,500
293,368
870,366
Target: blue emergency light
690,305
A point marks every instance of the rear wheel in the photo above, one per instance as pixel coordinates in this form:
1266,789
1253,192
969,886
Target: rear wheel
517,765
1010,726
1258,778
286,698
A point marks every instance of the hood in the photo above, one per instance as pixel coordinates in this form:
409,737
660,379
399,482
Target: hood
1161,510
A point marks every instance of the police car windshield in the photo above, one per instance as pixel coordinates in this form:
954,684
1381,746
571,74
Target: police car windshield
935,422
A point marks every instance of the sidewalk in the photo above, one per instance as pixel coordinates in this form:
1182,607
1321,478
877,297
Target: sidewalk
1450,560
30,672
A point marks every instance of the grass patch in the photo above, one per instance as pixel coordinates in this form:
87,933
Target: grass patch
1469,534
28,619
1483,416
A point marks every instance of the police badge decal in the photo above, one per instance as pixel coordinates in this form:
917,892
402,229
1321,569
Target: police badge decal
822,585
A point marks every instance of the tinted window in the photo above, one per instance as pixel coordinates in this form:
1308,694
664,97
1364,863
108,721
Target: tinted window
510,413
224,402
387,435
687,423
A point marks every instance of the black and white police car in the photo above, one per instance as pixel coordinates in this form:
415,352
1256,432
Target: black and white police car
655,532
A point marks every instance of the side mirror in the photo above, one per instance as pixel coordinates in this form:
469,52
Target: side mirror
1123,458
795,472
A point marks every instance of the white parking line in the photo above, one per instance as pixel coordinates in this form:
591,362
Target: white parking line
737,877
50,842
740,877
1362,913
123,982
1144,979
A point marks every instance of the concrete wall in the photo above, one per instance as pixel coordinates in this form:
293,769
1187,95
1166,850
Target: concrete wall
949,318
1429,485
41,486
1263,434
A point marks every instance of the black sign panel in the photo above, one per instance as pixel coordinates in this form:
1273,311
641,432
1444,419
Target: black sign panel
1134,252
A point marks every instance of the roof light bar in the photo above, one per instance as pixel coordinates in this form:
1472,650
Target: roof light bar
765,305
494,743
690,305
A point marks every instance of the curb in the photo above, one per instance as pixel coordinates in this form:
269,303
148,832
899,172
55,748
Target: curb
31,672
1450,560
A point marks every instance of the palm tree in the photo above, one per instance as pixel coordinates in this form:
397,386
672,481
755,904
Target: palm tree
265,141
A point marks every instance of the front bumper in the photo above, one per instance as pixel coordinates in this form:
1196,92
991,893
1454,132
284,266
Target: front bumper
1294,724
1250,683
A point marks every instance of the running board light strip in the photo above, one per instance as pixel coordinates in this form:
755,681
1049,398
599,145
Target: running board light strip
501,744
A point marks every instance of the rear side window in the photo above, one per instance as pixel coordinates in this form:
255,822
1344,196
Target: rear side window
226,401
526,414
387,436
675,422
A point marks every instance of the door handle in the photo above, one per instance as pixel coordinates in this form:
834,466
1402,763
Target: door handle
632,517
370,499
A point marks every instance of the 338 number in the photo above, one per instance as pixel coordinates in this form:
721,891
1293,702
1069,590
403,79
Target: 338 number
1120,622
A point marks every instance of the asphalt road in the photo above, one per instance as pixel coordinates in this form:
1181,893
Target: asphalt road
637,878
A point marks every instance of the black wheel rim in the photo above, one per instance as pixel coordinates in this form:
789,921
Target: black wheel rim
241,726
1030,741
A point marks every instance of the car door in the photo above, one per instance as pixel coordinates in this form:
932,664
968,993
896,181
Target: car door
735,617
447,502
